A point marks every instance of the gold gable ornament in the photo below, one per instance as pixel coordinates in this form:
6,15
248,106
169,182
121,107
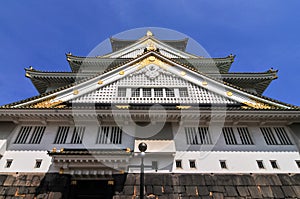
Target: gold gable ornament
48,104
258,105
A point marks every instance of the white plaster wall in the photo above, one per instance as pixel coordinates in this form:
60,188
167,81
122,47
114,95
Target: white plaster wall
237,162
24,161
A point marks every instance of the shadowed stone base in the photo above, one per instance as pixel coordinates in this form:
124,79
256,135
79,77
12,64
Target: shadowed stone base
161,186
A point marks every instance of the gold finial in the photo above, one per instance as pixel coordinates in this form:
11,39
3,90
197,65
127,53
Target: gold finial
30,68
149,33
229,93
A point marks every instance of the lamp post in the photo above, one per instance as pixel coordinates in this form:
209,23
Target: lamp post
142,148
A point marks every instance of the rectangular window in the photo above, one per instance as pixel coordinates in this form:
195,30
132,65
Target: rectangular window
197,135
183,92
109,135
158,92
192,164
245,135
229,136
38,163
121,92
298,163
62,134
30,135
135,92
275,136
178,164
274,164
8,163
170,92
223,164
77,135
260,164
37,135
146,92
23,135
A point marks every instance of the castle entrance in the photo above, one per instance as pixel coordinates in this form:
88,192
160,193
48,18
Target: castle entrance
91,189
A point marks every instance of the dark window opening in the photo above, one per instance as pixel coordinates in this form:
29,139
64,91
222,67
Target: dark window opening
274,164
223,164
178,164
38,163
8,163
192,164
260,164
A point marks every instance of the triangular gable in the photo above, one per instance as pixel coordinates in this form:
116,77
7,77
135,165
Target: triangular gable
154,58
150,43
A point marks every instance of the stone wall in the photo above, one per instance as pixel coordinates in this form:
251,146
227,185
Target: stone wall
160,186
190,186
51,186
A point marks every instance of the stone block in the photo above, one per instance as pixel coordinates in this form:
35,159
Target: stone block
296,178
243,180
55,195
20,180
2,179
191,190
185,179
36,181
29,196
168,190
9,181
277,192
296,190
149,189
288,192
231,191
267,180
218,195
203,191
218,189
254,192
198,180
128,190
157,190
209,180
11,191
42,196
285,179
266,191
179,189
223,179
23,190
130,179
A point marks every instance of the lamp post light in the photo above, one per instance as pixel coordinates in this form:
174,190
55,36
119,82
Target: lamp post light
142,148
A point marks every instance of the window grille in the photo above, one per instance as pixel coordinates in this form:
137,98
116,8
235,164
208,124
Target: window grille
62,135
192,164
37,135
274,164
280,137
77,135
158,92
223,164
178,164
183,92
146,92
121,92
245,135
109,135
33,134
229,136
197,135
260,164
23,135
135,92
170,92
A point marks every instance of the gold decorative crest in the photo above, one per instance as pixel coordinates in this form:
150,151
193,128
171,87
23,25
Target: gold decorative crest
151,60
258,105
48,104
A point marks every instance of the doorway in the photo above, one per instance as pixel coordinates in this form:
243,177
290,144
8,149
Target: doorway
91,189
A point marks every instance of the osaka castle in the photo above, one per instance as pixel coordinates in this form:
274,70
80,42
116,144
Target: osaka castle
209,132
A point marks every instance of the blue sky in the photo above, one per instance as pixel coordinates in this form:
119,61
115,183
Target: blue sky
262,34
